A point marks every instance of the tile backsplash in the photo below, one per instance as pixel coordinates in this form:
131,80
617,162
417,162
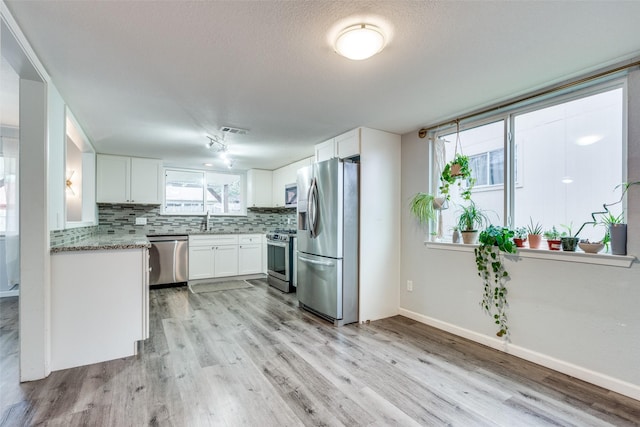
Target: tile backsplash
71,235
122,219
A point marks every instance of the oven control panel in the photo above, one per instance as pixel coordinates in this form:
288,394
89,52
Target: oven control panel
281,235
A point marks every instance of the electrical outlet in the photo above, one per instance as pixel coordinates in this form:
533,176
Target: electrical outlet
410,285
141,221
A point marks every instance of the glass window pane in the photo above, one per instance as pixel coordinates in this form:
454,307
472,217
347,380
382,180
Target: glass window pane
478,166
184,191
477,143
496,167
224,194
572,160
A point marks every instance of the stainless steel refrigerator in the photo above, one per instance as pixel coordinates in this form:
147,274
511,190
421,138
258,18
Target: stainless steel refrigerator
327,239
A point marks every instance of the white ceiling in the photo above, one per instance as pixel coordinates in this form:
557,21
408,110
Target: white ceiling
154,78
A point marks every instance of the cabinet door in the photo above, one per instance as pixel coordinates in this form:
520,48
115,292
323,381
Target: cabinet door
225,261
201,262
279,181
113,179
259,188
145,181
250,259
348,144
325,151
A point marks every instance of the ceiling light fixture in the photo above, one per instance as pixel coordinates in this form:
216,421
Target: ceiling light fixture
567,180
217,145
360,41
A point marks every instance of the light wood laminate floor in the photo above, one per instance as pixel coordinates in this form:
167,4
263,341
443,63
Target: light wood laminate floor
251,357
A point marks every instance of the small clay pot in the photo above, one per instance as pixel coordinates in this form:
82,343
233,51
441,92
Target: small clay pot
554,244
534,240
519,242
469,237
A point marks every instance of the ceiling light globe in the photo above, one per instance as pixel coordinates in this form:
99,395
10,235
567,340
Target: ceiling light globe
360,42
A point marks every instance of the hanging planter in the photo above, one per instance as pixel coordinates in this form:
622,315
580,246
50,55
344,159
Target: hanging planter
457,171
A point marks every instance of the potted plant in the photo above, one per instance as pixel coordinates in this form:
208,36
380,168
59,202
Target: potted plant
568,241
493,274
611,221
534,234
426,207
617,228
455,235
422,206
470,219
553,239
457,171
520,236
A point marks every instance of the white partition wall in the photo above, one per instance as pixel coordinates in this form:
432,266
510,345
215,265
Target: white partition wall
380,209
34,234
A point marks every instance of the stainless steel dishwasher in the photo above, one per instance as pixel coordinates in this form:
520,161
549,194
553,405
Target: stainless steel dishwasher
168,259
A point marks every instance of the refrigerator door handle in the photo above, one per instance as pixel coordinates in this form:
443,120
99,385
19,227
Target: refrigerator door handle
313,261
312,208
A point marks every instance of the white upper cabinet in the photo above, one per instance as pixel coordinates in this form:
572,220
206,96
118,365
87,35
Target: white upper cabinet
129,180
146,176
343,146
259,188
348,144
325,150
279,181
284,176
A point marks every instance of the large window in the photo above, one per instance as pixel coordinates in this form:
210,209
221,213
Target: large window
567,160
196,192
484,145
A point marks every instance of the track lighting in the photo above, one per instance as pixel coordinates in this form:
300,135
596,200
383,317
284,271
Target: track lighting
217,145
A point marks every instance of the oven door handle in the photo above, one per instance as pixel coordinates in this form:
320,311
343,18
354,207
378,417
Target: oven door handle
278,244
315,262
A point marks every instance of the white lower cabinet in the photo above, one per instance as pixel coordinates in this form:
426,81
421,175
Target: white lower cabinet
225,261
225,255
99,305
250,254
200,262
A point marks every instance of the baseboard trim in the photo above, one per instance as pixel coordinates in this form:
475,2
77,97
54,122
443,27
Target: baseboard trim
226,278
593,377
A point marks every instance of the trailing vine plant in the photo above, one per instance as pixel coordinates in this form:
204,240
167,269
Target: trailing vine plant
493,273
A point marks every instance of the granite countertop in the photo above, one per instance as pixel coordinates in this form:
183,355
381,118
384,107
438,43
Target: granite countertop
104,242
109,241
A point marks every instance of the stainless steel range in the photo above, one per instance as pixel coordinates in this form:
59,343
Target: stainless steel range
280,256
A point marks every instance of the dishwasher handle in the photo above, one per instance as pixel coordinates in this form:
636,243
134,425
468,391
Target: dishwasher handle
155,239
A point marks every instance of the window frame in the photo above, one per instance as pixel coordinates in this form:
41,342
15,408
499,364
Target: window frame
508,116
203,212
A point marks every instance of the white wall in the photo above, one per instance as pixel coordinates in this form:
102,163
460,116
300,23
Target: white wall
41,128
56,135
577,318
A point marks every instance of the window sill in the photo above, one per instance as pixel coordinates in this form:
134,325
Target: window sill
624,261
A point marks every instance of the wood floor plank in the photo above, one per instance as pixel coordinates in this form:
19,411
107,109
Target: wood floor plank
252,357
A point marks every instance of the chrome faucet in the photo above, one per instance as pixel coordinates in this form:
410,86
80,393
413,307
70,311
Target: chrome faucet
206,221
